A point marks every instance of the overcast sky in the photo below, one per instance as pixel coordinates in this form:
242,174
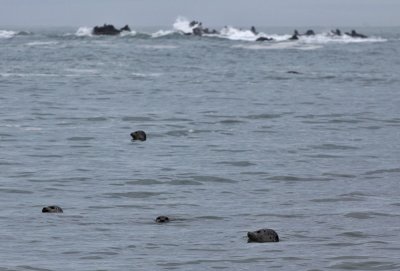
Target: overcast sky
138,13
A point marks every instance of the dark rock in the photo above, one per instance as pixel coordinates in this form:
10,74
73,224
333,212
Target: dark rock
309,32
199,30
295,35
125,28
354,34
253,30
109,29
264,39
336,32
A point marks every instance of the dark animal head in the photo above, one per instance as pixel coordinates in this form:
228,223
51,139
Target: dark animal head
138,135
263,235
162,219
52,209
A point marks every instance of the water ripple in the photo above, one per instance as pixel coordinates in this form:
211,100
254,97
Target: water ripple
139,195
367,215
366,265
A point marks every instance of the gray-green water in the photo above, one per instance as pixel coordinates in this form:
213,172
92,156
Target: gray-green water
235,143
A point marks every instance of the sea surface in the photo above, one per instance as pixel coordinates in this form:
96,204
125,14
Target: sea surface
302,137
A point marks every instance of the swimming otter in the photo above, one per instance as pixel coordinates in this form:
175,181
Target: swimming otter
262,236
139,135
52,209
162,219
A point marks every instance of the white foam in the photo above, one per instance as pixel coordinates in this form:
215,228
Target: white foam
84,31
12,125
19,126
128,33
41,43
162,33
325,38
278,46
233,33
33,129
158,46
6,34
237,34
308,47
182,25
145,75
277,37
10,74
82,71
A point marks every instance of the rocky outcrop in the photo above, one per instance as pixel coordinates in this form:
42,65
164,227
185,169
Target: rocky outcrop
109,29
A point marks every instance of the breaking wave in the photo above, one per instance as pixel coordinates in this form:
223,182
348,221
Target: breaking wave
183,27
186,27
42,43
84,31
7,34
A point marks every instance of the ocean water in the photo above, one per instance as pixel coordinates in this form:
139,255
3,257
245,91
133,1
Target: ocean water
235,142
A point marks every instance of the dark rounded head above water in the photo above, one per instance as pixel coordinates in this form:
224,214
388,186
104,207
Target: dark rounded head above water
262,236
52,209
162,219
138,135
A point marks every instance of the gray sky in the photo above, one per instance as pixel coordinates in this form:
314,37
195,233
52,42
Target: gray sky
138,13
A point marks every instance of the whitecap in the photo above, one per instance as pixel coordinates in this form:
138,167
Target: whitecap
84,31
277,37
128,33
82,71
182,25
277,46
309,47
232,33
11,74
162,33
158,46
33,129
327,37
6,34
145,75
40,43
12,125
